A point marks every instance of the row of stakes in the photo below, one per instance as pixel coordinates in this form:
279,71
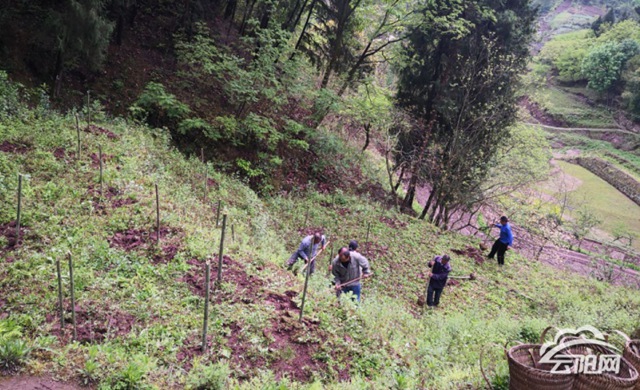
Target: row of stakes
207,265
157,195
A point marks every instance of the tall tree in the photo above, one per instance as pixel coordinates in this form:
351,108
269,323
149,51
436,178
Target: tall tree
458,79
82,34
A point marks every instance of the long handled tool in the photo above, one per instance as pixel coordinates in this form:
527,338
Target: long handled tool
350,281
315,257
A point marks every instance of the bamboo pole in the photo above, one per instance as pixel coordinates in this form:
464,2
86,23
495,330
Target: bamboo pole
218,213
79,148
101,181
73,298
224,225
88,108
206,175
304,292
233,233
157,216
19,211
60,294
207,282
368,230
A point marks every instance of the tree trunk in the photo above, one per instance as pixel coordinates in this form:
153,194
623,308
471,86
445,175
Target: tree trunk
395,188
304,29
367,133
352,72
230,9
247,14
407,203
57,75
427,204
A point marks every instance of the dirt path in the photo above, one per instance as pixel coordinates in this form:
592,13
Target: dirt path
601,130
35,383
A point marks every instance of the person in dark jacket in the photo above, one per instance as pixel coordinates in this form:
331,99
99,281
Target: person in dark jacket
348,268
503,243
440,269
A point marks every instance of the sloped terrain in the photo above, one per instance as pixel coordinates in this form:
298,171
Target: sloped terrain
139,301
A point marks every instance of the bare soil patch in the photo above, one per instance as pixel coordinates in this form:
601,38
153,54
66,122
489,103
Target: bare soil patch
374,250
95,159
539,114
472,253
60,154
292,344
95,130
393,223
8,230
96,322
35,383
10,147
248,287
134,239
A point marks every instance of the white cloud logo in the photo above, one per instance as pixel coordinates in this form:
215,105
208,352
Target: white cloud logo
587,336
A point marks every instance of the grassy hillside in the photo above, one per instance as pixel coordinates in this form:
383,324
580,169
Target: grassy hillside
140,305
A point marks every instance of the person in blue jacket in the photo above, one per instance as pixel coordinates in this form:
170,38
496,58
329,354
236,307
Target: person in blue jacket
440,269
503,243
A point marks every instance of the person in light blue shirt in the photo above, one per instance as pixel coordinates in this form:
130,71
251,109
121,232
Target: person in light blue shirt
503,243
308,249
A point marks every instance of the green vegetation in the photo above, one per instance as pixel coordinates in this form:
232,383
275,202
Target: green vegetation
156,313
568,108
607,204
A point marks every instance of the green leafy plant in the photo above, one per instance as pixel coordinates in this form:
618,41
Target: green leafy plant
208,376
13,350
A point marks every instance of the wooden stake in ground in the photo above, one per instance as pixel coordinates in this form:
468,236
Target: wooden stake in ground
218,213
304,292
206,175
207,282
314,257
306,279
306,218
88,108
367,239
73,298
78,133
60,294
233,234
19,213
224,225
157,216
101,181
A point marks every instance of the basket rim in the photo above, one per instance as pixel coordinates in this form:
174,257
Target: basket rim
510,358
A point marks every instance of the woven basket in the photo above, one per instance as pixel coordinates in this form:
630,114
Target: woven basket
632,354
627,378
526,373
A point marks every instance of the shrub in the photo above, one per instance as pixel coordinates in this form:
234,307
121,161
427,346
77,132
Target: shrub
13,351
158,107
208,376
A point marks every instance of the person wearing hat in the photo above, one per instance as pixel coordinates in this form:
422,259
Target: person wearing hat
503,243
348,268
440,269
307,250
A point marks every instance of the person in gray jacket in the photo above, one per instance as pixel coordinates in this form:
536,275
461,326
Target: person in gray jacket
307,250
349,267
